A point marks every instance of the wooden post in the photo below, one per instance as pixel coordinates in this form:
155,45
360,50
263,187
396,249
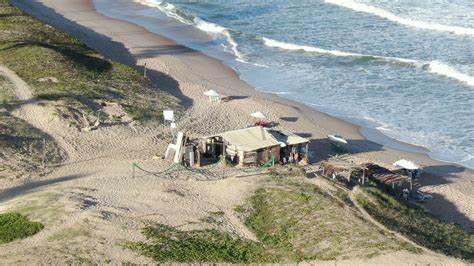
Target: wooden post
144,70
307,152
44,152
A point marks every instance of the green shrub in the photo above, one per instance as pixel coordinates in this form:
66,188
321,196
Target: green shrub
418,224
17,226
167,244
299,221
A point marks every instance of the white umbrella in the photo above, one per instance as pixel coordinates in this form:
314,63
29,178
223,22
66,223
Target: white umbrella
409,165
211,93
258,115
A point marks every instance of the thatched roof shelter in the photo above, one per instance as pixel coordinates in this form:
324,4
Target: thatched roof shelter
383,175
339,167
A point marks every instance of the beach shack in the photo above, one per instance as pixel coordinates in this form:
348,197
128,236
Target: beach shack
255,145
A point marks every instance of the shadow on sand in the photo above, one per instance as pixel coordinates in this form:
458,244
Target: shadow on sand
111,49
32,186
233,98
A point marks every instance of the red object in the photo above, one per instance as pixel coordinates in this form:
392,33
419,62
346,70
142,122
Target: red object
261,123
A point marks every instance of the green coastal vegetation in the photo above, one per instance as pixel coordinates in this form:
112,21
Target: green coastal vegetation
15,226
59,67
22,147
61,70
417,224
167,244
6,91
292,220
295,221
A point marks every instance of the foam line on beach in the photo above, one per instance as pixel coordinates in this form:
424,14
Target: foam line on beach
202,25
435,66
403,21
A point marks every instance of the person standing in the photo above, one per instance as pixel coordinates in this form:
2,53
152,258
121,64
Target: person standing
405,193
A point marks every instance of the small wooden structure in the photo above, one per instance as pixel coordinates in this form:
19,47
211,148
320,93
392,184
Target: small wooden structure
255,145
338,167
384,176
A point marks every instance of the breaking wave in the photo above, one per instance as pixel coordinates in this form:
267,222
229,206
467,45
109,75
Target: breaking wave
311,49
404,21
434,66
446,70
211,29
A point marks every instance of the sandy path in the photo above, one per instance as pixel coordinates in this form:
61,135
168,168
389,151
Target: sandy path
28,108
367,216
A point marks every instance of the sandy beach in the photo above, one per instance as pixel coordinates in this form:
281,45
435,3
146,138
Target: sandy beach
187,74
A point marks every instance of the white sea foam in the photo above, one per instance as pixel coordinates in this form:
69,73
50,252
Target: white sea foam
404,21
219,30
311,49
205,26
276,92
435,66
446,70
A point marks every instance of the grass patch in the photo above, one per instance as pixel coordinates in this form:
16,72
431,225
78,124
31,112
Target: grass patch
301,222
43,207
167,244
38,52
293,220
16,226
418,224
344,196
6,91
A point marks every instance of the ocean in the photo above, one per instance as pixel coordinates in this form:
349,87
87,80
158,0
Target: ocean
401,68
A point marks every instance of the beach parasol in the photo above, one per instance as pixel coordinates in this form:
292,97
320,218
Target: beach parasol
409,165
258,115
213,95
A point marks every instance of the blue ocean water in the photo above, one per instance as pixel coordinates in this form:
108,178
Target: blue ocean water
404,68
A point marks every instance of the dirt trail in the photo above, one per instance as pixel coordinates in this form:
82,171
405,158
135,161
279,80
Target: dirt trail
29,109
367,216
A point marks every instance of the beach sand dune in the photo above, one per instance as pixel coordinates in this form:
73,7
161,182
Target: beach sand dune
95,185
